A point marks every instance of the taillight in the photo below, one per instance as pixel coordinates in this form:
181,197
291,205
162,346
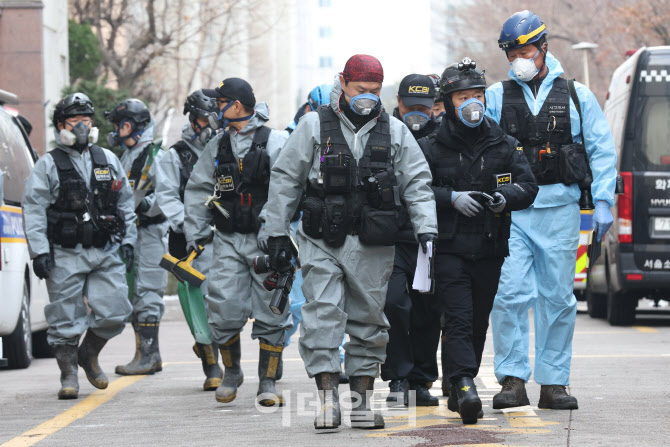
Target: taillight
625,209
634,277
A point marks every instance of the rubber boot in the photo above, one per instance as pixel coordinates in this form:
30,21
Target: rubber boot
329,415
231,354
469,403
147,358
555,397
446,384
209,356
268,361
66,356
280,370
452,403
513,394
88,359
423,396
362,415
397,386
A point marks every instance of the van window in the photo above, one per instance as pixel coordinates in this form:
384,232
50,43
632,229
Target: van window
14,159
654,153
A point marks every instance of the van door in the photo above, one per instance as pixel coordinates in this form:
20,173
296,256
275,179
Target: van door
647,156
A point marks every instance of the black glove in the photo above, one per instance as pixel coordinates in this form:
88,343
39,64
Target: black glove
128,255
42,266
262,240
498,203
424,238
193,246
280,253
143,207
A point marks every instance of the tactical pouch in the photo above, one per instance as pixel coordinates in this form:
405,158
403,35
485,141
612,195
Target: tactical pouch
573,164
378,227
337,170
256,167
225,179
65,229
334,220
86,234
225,224
242,222
547,168
312,213
74,194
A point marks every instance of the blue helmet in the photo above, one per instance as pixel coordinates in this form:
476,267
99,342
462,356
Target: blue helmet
319,96
522,28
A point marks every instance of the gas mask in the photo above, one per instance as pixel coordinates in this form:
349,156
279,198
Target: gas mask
218,121
114,139
79,137
203,134
525,69
364,103
415,120
471,112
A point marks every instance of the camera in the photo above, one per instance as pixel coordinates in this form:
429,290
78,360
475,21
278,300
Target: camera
262,264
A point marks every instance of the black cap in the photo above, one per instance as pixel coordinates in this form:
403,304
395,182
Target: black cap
233,88
417,89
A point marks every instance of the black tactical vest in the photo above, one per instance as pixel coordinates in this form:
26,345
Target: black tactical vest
541,136
134,177
188,159
242,185
81,214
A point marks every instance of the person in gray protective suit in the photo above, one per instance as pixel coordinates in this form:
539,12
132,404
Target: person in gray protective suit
172,173
78,219
134,132
229,186
356,163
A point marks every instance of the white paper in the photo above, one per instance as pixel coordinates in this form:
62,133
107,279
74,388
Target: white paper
422,274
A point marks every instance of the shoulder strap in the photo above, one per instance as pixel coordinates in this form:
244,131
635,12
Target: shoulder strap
225,152
575,99
98,156
261,137
62,160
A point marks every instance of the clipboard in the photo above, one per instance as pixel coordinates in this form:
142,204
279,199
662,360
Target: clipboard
593,250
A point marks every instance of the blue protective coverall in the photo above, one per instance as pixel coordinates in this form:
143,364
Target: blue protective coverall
540,270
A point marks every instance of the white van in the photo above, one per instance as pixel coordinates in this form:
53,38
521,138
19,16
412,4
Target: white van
636,252
22,321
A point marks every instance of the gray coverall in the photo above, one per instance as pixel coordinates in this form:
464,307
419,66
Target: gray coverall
152,242
235,290
97,273
345,287
168,175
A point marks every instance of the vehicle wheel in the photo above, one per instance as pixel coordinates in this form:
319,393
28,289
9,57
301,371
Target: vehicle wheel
41,348
596,302
18,346
620,308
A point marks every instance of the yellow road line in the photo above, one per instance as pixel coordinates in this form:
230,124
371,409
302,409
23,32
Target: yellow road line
646,329
67,417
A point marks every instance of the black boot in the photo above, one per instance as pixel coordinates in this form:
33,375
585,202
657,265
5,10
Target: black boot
361,415
452,403
397,386
268,361
469,403
280,370
147,358
329,416
88,359
446,384
423,396
513,394
209,356
555,397
66,356
231,354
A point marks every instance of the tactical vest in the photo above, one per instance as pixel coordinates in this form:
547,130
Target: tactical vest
137,170
81,214
188,159
242,185
352,197
541,136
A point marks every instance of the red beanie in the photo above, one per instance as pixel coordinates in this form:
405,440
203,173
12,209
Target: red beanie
363,68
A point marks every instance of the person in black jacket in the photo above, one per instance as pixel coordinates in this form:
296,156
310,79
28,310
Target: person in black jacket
415,323
480,175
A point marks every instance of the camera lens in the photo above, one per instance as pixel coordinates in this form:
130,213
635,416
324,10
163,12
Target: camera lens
262,264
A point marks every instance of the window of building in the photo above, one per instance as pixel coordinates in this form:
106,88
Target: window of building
324,4
325,62
325,31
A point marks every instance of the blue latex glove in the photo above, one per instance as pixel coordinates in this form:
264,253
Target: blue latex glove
603,217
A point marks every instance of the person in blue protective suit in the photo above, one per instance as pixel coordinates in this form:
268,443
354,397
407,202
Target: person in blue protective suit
172,172
79,224
319,96
415,321
537,107
229,187
134,132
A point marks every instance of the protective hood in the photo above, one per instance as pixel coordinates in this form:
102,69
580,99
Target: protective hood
261,116
554,66
187,133
148,133
335,95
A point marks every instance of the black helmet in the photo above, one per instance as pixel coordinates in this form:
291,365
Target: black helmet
462,76
436,82
130,109
199,105
72,105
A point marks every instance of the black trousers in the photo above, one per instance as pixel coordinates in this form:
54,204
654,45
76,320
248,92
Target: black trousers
465,291
414,335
